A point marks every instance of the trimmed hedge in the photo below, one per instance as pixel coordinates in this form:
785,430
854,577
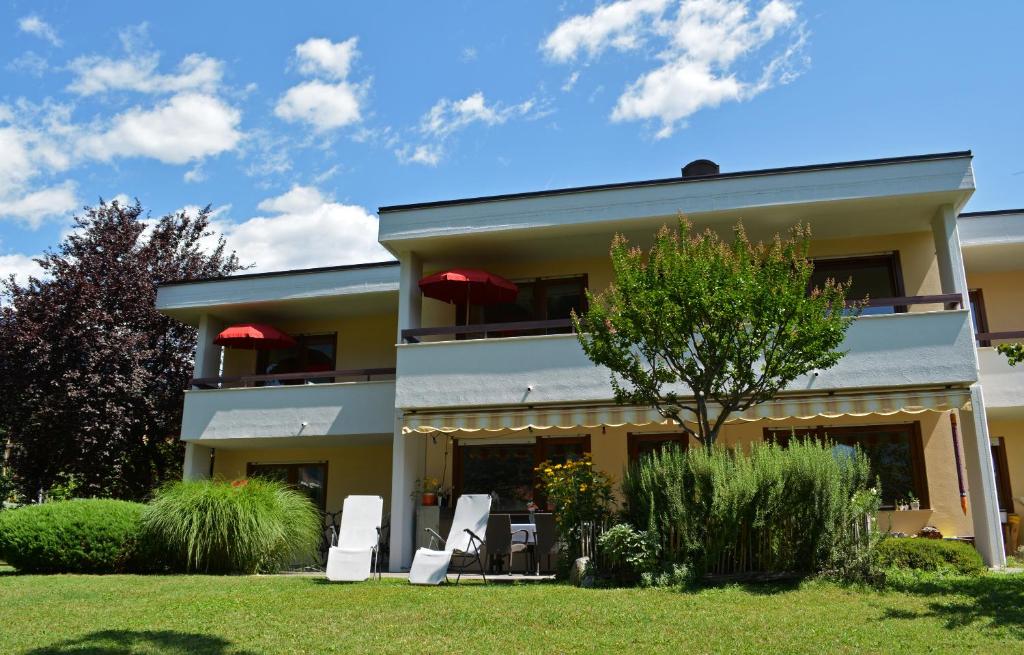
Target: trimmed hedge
73,536
929,555
245,526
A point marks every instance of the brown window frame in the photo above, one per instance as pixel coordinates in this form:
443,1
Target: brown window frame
293,473
918,471
301,341
634,439
1004,489
892,259
539,455
977,302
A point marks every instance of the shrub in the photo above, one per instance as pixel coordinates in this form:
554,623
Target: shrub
798,509
626,554
929,555
245,526
74,536
581,497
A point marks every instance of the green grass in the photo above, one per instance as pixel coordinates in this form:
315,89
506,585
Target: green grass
196,615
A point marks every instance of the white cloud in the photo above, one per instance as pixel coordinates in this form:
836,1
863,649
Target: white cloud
426,154
305,229
36,26
448,116
570,82
32,208
700,50
185,128
322,105
29,62
469,54
20,266
325,105
321,56
194,174
138,72
618,25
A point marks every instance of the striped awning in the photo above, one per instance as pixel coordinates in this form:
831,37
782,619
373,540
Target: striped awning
594,416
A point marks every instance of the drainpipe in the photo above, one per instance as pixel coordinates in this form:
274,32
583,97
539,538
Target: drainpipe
959,466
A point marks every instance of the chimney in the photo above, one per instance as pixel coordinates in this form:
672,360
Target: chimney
700,168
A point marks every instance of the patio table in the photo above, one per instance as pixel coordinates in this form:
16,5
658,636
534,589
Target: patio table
529,538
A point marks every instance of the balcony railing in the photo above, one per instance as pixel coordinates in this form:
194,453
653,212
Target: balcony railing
273,379
986,338
562,325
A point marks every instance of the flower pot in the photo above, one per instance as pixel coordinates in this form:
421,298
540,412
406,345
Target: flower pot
429,499
915,505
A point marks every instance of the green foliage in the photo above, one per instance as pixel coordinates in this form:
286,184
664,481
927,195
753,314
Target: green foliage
796,509
74,536
936,555
245,526
1014,352
732,322
581,497
627,553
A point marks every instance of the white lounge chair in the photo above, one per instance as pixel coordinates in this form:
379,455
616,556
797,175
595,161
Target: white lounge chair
430,565
354,557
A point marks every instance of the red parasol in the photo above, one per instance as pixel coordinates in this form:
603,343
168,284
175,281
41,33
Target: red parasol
253,336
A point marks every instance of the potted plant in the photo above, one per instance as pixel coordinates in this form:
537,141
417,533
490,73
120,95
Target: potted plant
915,503
429,488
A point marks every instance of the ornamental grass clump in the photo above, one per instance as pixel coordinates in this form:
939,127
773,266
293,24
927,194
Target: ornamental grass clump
800,509
245,526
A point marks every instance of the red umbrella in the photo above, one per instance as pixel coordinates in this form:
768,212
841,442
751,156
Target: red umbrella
469,285
253,336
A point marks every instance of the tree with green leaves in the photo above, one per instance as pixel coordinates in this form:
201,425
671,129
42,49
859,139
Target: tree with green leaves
701,329
1014,352
91,375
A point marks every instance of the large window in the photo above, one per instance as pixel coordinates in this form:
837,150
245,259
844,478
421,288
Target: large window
875,276
310,479
896,454
643,443
507,470
313,353
541,299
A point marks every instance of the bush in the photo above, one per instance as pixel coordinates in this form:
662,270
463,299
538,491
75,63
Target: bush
929,555
626,554
74,536
581,497
245,526
800,509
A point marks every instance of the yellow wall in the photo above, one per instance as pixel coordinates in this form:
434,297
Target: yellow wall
1003,294
610,454
364,470
363,342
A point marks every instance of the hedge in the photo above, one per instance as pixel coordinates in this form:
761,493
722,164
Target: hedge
929,555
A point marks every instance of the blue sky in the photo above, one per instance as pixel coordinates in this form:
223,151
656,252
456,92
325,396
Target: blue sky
297,120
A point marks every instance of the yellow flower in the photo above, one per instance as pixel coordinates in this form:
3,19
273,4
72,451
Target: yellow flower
583,487
548,471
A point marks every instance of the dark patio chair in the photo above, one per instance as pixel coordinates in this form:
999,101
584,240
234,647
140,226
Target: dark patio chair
499,541
547,540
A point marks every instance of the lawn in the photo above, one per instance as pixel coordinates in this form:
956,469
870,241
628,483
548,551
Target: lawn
196,615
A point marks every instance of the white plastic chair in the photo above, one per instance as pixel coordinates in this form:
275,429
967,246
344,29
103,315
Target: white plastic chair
354,558
430,565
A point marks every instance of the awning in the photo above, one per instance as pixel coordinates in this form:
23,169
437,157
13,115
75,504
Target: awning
786,408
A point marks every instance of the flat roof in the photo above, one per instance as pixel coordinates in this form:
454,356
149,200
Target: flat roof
293,271
684,180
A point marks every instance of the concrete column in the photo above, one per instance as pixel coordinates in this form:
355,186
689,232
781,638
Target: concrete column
198,462
406,465
207,353
410,300
981,481
948,253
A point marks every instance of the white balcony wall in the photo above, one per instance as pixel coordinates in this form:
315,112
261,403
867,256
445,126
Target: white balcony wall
1003,384
914,349
310,410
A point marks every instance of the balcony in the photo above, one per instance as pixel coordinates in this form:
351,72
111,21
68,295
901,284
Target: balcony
290,407
913,349
1002,384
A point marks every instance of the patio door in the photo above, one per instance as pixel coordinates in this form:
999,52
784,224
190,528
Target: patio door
310,479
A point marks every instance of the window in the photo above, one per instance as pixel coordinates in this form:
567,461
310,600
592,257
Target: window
541,299
312,353
1002,471
978,314
896,453
640,444
506,470
876,276
311,479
